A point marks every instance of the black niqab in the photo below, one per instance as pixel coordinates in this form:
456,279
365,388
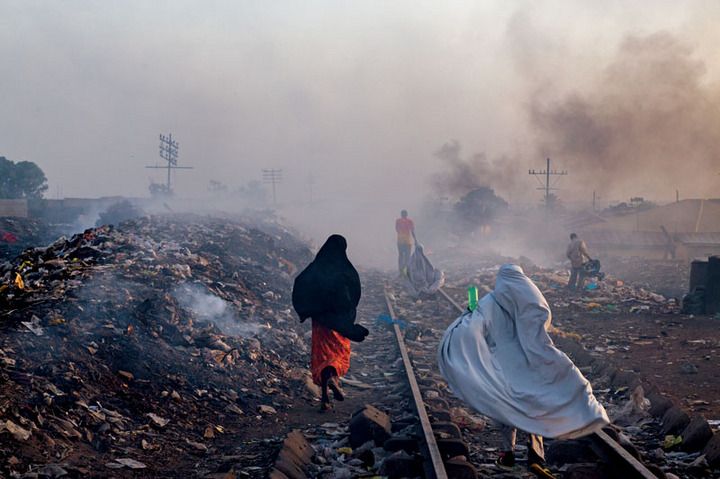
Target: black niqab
328,290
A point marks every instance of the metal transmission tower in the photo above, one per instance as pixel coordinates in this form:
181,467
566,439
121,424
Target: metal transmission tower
273,177
547,187
169,152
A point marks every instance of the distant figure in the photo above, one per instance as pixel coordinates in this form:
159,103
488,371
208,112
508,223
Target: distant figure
405,229
328,291
576,253
500,360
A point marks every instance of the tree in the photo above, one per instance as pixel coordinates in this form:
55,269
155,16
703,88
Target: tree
478,208
23,179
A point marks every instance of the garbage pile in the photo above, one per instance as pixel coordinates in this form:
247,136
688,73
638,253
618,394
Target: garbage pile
137,348
16,234
667,277
610,295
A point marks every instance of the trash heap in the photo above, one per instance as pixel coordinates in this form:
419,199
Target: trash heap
139,347
611,295
16,234
667,277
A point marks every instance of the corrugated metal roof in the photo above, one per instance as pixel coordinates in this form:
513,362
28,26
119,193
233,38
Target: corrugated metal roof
686,216
646,238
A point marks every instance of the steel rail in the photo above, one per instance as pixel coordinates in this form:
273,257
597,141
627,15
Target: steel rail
438,467
638,468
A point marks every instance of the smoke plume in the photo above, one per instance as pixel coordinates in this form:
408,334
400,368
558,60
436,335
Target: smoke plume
462,175
211,309
648,125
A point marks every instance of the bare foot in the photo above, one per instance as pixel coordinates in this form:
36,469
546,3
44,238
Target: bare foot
334,385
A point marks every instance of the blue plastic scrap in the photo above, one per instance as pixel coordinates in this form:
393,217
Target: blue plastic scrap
386,320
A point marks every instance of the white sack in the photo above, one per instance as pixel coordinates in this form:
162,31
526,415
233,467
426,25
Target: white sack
501,361
422,276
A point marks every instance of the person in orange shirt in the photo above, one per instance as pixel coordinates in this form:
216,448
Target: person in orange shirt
405,229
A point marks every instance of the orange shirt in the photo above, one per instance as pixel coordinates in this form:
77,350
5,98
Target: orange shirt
404,228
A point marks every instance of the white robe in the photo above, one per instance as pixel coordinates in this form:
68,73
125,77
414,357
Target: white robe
501,361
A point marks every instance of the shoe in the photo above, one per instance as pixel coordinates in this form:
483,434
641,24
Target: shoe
337,391
541,471
506,460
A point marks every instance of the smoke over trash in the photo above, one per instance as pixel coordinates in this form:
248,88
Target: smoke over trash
637,127
460,175
167,169
215,311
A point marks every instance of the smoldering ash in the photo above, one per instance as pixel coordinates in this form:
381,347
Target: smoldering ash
210,309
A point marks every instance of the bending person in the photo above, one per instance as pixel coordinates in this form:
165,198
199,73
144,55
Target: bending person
328,291
501,361
577,252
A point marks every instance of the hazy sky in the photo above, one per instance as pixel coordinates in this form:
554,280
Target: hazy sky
359,93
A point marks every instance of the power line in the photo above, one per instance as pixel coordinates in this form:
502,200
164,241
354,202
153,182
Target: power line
169,151
547,173
273,177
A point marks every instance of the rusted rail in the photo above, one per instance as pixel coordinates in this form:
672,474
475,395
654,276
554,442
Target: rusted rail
635,468
433,452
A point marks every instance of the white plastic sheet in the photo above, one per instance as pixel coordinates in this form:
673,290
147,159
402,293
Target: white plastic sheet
501,361
423,277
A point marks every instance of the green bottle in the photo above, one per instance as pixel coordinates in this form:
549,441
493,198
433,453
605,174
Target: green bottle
472,298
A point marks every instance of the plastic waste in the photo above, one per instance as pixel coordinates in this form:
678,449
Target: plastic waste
472,297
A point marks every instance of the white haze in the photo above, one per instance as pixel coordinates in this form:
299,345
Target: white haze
358,95
210,309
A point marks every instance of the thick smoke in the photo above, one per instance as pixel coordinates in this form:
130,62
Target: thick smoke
648,125
462,175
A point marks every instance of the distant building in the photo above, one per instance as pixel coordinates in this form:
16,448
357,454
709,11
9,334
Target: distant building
14,208
683,230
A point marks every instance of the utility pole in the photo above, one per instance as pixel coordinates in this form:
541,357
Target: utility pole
547,187
169,149
273,177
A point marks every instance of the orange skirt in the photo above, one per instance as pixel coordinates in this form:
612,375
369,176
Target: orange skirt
329,348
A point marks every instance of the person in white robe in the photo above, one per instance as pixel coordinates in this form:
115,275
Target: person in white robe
500,360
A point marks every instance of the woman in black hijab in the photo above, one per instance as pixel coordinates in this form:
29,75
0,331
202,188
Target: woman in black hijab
328,291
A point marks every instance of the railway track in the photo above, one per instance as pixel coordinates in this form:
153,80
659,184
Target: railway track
446,454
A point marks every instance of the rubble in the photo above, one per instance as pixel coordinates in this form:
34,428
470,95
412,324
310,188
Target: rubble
369,424
101,357
17,234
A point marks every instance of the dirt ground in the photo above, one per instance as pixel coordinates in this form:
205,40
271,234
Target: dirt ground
678,353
